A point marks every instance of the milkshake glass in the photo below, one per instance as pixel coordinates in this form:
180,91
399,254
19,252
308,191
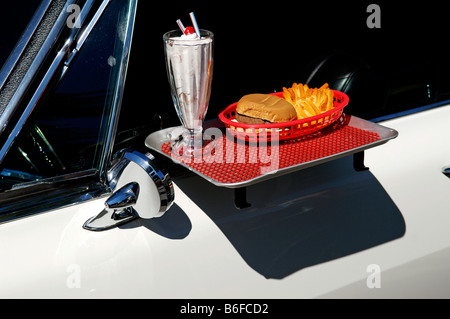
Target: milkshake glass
189,63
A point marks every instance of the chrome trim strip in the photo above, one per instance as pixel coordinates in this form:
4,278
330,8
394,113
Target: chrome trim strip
118,94
62,191
64,55
84,12
23,41
38,93
35,65
86,31
57,179
54,67
91,24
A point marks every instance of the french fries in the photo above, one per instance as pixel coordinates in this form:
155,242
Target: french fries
309,102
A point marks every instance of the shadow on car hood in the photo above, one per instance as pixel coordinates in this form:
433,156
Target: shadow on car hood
302,219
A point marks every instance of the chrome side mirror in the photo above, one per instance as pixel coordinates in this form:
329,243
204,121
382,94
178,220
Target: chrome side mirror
140,190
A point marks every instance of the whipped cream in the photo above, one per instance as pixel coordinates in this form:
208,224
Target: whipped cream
191,39
191,36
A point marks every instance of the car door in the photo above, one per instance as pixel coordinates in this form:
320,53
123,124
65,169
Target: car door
61,95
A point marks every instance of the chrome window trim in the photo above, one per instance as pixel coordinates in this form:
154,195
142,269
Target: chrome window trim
86,31
95,188
50,194
44,50
23,41
118,93
62,56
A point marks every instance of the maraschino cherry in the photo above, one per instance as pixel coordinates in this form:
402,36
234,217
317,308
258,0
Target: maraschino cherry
189,30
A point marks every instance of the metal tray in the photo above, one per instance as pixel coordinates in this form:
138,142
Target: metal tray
253,163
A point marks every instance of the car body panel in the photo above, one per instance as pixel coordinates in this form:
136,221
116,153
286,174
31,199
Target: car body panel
189,253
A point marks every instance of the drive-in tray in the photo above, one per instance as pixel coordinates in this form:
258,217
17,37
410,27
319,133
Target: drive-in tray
236,164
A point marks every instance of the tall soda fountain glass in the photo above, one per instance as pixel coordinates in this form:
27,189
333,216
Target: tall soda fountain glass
189,61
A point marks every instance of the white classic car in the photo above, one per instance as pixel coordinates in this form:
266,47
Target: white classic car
89,210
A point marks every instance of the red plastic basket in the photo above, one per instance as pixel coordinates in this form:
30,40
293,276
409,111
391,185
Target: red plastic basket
284,130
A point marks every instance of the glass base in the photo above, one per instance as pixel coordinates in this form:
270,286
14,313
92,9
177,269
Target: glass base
189,143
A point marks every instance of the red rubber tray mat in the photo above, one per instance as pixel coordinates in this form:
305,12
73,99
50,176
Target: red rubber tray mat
244,166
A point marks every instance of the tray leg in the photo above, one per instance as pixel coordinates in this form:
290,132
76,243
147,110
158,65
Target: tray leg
358,162
240,198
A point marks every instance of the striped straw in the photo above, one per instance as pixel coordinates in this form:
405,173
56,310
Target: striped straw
194,22
180,24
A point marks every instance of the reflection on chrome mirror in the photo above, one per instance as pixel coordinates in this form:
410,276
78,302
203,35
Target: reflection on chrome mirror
140,190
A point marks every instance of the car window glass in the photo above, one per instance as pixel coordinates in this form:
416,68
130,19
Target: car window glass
66,131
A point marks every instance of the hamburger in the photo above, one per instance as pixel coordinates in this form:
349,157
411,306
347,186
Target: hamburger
264,109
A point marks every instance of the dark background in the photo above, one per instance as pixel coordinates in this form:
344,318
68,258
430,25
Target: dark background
261,47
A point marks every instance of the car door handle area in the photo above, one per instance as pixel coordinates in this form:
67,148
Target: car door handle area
140,190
